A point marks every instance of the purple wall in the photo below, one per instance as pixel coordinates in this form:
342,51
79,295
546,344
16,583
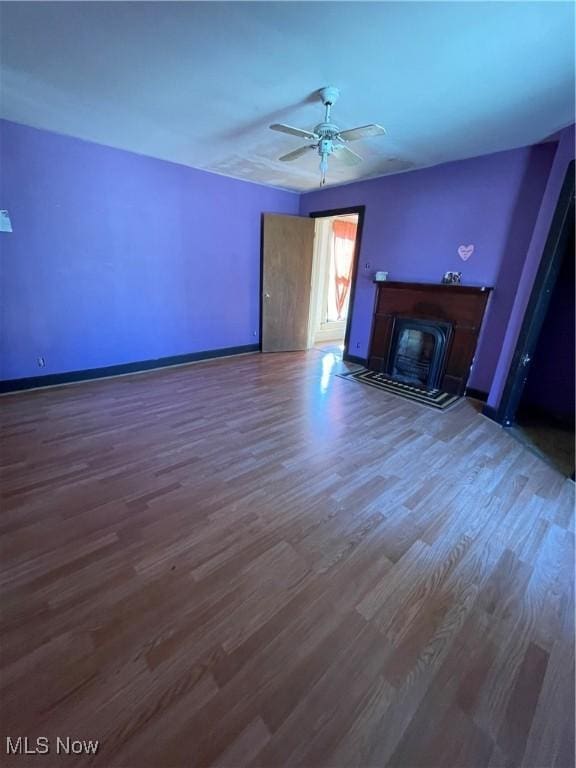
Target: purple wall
415,222
550,385
117,258
564,154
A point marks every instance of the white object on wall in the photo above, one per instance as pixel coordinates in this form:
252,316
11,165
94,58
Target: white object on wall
5,223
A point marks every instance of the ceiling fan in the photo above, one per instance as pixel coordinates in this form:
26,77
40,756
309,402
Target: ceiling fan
327,137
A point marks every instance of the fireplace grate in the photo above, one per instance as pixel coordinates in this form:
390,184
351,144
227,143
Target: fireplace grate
407,364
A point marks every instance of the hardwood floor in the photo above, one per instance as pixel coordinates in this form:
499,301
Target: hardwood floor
252,562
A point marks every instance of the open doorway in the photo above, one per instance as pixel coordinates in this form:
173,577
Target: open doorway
332,268
545,416
538,398
308,273
335,261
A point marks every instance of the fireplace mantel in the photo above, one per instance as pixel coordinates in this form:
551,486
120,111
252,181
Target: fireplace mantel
449,287
462,306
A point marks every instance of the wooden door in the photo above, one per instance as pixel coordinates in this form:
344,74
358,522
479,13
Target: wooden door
288,245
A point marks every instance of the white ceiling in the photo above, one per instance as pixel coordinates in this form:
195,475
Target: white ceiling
199,83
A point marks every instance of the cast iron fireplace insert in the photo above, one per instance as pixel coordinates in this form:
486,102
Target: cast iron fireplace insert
418,351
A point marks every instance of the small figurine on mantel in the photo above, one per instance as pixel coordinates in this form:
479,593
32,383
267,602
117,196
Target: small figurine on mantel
452,278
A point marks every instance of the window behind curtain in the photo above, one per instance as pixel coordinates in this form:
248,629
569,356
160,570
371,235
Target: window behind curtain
340,269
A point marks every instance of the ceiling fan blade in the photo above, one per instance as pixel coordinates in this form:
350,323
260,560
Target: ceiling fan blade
347,155
362,132
296,153
293,131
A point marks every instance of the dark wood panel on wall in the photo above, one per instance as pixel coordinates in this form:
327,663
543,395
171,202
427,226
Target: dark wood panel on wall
462,306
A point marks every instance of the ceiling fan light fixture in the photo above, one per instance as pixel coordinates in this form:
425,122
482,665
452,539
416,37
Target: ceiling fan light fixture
327,136
323,168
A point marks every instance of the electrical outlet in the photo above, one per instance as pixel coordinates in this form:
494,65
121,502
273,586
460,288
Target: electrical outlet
41,362
357,345
367,266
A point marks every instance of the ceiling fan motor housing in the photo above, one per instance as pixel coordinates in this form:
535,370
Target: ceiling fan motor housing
326,130
330,95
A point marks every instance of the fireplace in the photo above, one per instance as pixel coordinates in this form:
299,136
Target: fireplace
418,351
426,333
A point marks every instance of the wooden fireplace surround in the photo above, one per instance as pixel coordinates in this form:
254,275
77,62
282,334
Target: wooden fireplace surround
462,306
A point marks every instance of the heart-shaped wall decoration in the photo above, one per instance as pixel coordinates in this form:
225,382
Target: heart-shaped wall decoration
465,251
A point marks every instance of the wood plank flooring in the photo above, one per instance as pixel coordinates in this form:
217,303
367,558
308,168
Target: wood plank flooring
252,562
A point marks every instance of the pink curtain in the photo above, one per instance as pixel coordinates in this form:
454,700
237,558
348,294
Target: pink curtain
342,258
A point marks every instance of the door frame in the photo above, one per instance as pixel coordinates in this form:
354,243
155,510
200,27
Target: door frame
537,307
360,211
